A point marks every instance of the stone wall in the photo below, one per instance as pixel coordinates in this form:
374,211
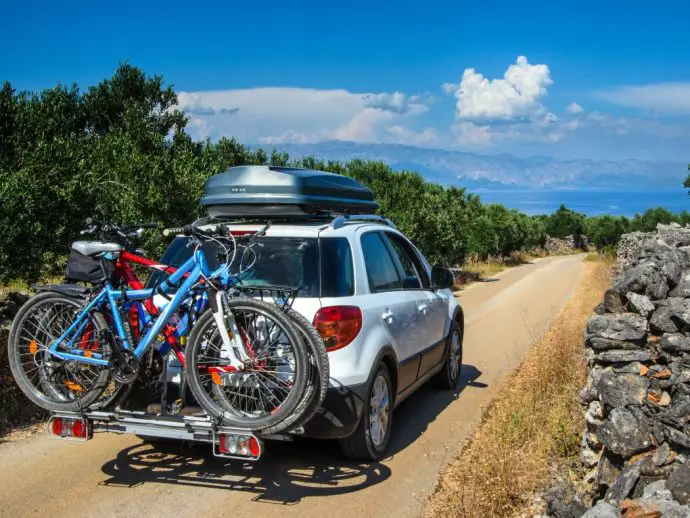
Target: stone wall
566,246
636,442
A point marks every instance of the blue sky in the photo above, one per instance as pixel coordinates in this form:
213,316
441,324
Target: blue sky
566,79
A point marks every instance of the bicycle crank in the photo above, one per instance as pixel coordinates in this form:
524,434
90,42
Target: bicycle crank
125,368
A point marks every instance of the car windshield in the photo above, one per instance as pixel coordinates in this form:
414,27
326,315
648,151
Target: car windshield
293,262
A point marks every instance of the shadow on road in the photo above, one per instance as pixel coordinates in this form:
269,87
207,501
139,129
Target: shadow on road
289,471
416,413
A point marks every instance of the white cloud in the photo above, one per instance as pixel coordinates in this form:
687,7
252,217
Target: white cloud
574,109
303,115
449,88
517,96
424,138
398,102
472,135
669,98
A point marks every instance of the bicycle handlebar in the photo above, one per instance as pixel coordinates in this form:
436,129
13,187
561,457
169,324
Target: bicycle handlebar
128,231
218,230
191,230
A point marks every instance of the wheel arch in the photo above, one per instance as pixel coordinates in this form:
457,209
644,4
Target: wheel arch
459,317
388,358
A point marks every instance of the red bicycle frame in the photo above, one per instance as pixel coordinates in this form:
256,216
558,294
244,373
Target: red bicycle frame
124,271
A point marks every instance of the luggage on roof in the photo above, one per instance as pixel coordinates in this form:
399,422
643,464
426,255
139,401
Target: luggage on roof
258,191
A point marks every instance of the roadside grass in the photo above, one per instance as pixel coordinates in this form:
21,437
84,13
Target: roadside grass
532,427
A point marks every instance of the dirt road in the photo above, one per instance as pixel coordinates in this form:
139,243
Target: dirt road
120,476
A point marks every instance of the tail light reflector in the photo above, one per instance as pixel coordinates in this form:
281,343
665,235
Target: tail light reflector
338,325
69,428
237,446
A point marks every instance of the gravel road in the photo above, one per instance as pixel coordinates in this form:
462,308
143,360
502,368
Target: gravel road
116,475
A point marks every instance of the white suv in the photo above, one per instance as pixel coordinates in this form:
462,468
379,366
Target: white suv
389,320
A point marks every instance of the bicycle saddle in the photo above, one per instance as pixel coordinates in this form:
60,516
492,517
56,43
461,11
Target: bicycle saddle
94,247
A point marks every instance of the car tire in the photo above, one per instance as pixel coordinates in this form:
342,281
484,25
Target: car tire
370,439
447,378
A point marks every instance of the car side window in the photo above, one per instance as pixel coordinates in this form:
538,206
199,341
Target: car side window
410,279
381,270
415,272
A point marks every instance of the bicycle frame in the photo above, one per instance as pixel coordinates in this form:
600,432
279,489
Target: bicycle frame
126,273
194,269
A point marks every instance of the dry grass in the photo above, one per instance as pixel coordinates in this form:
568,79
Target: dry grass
534,423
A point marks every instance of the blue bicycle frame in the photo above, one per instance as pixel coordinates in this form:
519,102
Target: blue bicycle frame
196,266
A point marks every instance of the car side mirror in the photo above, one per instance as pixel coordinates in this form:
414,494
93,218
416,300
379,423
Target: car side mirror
441,278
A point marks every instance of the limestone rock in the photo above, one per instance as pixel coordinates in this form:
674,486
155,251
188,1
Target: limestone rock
626,327
603,510
679,483
624,433
645,279
672,315
640,304
619,390
622,356
675,342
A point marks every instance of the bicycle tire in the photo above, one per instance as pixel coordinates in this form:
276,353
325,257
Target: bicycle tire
19,374
320,367
283,415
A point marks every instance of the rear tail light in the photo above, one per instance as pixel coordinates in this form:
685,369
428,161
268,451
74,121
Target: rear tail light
69,428
237,446
338,325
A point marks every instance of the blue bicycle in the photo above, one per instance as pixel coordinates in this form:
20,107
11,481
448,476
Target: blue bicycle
246,363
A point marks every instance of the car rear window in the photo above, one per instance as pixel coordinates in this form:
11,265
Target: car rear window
295,262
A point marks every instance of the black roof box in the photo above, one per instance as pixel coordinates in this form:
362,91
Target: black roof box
259,190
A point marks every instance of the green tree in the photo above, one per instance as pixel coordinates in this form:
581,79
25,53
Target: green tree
605,231
565,222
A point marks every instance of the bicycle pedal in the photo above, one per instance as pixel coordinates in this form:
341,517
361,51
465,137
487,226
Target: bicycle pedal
176,407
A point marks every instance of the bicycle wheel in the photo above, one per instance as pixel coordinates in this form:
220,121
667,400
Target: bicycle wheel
49,382
266,393
318,365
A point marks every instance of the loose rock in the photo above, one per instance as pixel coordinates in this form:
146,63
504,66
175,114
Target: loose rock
679,483
624,433
619,390
645,279
603,510
672,315
640,304
675,342
619,356
622,487
626,327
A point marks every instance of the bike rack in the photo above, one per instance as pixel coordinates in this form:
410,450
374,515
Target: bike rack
197,428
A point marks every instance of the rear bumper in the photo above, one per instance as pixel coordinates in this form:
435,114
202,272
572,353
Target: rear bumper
339,414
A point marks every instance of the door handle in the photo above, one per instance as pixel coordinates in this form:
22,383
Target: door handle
387,316
423,309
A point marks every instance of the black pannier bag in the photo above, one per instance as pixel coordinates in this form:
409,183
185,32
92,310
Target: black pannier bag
284,192
84,268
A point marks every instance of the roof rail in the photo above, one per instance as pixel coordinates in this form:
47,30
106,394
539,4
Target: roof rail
344,219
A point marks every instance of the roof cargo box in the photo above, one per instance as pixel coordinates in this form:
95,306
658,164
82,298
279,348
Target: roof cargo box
251,191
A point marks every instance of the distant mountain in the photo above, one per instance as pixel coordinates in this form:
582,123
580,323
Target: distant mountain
503,171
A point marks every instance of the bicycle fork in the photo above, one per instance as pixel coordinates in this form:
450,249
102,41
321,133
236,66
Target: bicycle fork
233,348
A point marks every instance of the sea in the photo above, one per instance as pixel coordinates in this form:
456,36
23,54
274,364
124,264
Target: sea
592,202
